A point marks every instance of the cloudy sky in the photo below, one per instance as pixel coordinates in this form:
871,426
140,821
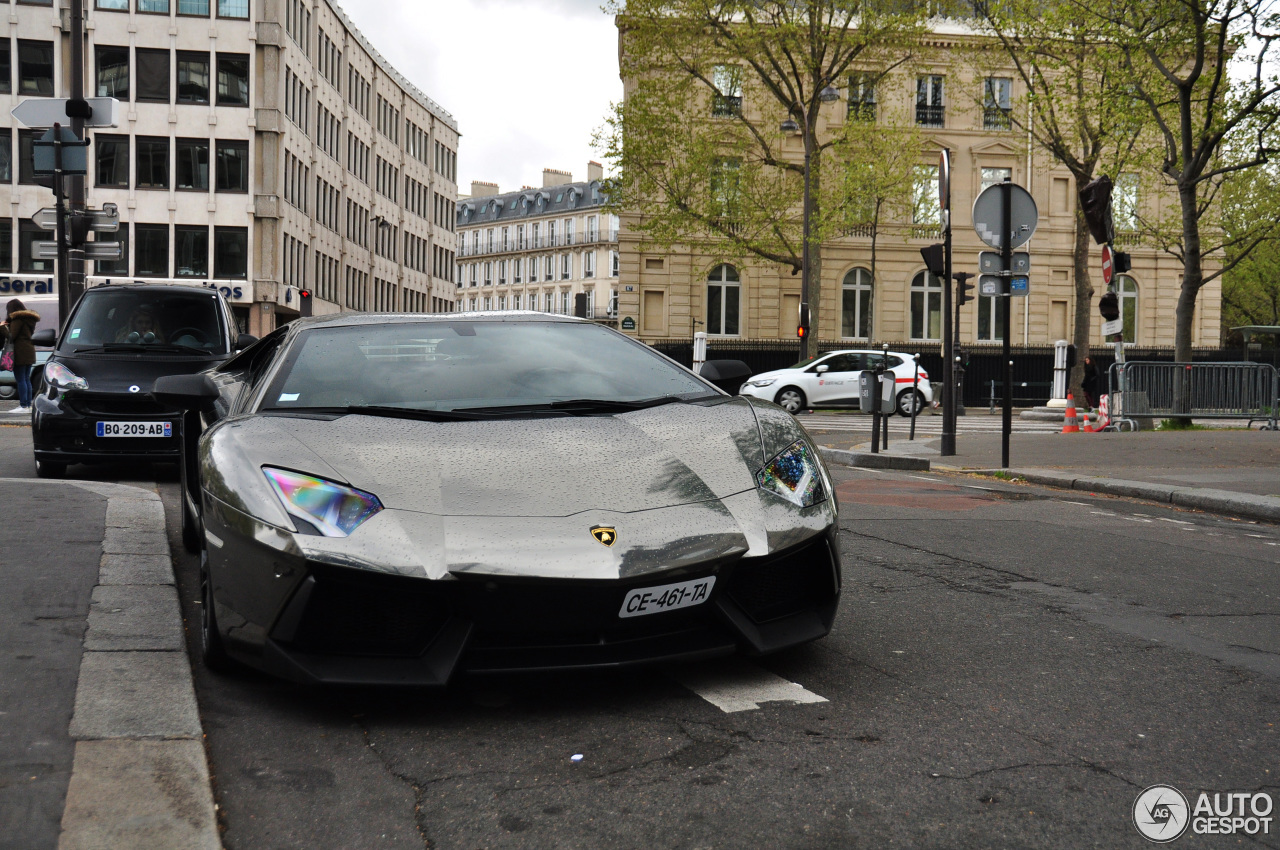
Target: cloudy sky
527,80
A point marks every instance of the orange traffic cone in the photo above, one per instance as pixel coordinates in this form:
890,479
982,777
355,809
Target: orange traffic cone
1072,425
1086,424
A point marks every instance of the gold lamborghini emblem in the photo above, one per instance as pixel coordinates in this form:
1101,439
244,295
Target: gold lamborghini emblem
604,534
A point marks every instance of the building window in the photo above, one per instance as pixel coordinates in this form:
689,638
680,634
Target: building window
6,245
990,318
194,7
114,5
855,305
725,186
926,307
997,96
516,266
238,9
549,268
120,266
924,196
566,266
192,166
589,264
153,75
6,69
723,301
113,71
28,234
1127,288
488,274
153,164
35,68
614,262
191,251
502,273
157,7
233,166
727,100
151,250
1125,202
862,97
233,79
930,110
231,253
112,160
193,78
6,161
994,176
26,156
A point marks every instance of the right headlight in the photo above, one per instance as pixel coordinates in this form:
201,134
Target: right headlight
62,378
332,509
794,475
763,382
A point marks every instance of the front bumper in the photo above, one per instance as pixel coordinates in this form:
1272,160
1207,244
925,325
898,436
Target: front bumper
64,428
351,626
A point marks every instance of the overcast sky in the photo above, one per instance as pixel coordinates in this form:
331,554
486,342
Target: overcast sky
527,80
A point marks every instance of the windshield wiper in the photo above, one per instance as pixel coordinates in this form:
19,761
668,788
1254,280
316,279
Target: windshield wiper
413,413
144,346
580,406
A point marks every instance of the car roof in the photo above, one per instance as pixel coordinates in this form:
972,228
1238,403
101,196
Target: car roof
337,320
152,287
865,351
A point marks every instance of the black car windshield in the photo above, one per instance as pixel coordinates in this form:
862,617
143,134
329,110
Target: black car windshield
448,366
185,320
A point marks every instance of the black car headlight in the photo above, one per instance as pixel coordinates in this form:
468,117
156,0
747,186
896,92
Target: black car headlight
319,506
794,475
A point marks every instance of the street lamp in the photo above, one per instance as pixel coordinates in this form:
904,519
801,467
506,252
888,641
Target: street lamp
827,95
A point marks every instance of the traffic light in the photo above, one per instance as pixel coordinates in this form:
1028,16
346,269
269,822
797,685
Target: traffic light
1109,306
935,259
1120,262
78,227
963,288
304,302
802,328
1095,203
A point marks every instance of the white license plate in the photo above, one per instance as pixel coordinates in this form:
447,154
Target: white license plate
135,429
667,597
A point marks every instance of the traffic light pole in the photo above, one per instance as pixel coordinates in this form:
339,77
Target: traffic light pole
1006,279
948,447
74,285
60,229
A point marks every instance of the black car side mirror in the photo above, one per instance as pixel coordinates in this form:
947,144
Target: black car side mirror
45,338
244,341
728,375
186,392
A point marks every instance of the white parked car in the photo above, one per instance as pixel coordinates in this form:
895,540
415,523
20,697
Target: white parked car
832,380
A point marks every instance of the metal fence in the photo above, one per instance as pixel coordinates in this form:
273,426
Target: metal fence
1142,390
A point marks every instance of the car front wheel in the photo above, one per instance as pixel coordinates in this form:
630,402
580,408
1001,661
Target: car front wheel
904,402
212,652
790,399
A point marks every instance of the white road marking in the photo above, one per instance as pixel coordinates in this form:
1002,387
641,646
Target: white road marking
738,685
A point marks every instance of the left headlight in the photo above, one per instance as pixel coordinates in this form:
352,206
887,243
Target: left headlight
794,475
763,382
321,507
63,378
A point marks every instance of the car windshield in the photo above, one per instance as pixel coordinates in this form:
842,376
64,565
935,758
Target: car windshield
456,366
808,361
168,322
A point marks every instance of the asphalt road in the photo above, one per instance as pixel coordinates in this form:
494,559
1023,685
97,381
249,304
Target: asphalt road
1010,667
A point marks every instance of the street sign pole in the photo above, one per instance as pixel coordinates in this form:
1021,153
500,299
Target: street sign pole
78,110
1006,275
60,231
948,446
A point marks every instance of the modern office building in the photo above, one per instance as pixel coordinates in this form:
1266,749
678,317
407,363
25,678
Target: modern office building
265,148
537,249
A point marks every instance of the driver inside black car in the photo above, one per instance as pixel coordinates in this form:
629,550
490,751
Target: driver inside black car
142,327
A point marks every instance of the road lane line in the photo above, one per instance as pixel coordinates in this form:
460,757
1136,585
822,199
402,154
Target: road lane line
738,685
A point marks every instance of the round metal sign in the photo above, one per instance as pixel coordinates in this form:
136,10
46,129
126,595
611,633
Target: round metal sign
1108,268
944,179
988,213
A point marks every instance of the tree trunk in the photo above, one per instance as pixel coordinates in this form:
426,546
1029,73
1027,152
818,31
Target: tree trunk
1192,275
1084,306
815,252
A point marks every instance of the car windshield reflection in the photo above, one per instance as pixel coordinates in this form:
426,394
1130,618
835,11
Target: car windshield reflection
177,322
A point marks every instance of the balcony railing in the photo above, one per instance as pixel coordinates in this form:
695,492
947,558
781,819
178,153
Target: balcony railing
926,231
930,116
996,118
560,240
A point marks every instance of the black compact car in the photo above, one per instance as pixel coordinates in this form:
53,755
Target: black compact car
94,403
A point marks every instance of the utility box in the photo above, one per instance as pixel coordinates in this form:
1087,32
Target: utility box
867,392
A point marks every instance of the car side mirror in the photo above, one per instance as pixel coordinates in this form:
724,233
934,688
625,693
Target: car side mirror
244,341
186,392
728,375
823,369
45,338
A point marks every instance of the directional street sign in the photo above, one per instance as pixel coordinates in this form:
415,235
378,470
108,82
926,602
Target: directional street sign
989,284
1019,285
1115,326
102,251
1108,266
46,219
46,111
989,262
988,214
44,249
106,219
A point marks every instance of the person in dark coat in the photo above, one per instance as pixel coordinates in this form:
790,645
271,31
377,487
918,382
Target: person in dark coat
17,328
1092,383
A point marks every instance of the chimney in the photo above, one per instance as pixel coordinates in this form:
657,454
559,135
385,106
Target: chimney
551,177
480,189
595,171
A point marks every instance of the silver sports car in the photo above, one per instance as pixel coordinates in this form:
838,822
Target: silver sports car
398,498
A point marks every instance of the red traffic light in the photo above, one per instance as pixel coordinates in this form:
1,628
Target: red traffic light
305,293
802,331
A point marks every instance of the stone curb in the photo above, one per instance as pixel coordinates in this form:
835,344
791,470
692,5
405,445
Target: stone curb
867,460
140,777
1245,505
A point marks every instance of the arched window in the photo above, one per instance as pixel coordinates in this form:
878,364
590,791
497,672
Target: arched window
926,306
724,301
855,305
1127,288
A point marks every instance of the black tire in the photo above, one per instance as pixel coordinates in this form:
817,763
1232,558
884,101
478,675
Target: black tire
904,402
212,652
8,391
790,399
192,533
48,469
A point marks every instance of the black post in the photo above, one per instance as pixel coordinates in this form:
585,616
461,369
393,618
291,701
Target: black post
915,397
804,242
961,279
948,446
1006,276
886,375
75,279
60,231
875,413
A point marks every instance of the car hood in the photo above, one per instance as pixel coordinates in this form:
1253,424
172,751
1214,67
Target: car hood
675,454
117,372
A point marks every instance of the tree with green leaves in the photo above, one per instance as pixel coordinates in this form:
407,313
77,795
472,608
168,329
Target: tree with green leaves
699,145
1251,283
1080,112
1202,73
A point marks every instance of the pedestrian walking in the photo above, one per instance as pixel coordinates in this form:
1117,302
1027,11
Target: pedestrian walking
16,330
1091,383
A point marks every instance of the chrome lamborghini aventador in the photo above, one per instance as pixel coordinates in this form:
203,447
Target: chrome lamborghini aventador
397,498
